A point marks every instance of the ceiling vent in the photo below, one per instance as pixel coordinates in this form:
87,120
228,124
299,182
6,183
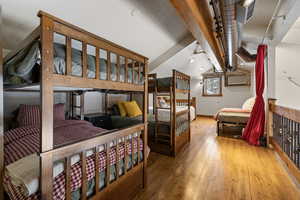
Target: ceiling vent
245,11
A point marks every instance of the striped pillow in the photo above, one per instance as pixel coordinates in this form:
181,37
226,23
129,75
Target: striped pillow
59,112
29,115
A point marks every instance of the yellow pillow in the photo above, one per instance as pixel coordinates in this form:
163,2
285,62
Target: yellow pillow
132,109
122,108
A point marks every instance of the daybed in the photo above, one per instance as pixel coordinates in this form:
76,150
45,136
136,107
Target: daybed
236,118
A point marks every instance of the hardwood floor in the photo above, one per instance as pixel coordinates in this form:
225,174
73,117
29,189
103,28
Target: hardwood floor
212,167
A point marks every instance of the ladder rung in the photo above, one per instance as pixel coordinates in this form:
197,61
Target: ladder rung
163,134
163,140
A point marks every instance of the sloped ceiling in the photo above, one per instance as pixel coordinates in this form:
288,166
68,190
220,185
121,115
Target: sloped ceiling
292,36
181,62
147,27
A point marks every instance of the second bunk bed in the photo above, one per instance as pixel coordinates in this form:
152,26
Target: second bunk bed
171,113
70,158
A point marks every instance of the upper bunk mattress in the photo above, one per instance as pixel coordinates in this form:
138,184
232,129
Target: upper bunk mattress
166,83
24,68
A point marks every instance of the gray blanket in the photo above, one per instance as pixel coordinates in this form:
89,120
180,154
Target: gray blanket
25,66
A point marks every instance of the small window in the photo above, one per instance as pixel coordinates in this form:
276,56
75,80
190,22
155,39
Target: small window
212,86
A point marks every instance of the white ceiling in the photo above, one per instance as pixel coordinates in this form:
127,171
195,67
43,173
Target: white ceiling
254,30
292,36
257,25
181,62
147,27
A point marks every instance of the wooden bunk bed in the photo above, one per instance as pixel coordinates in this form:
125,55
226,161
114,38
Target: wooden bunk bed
169,134
106,145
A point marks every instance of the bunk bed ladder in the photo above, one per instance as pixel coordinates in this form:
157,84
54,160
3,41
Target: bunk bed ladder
160,136
155,110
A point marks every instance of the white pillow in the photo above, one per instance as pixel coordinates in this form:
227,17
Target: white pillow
249,103
162,103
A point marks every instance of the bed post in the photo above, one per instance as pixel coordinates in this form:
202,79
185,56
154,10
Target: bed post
1,114
189,108
173,123
145,118
46,95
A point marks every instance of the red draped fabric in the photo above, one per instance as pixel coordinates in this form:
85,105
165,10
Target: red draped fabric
256,124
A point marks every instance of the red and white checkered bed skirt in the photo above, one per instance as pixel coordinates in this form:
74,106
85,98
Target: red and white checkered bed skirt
76,173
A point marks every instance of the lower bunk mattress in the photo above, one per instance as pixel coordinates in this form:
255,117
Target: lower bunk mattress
164,114
22,144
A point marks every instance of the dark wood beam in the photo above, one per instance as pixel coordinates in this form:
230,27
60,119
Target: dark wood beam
197,17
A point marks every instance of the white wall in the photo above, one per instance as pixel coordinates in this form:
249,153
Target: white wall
94,101
233,97
287,65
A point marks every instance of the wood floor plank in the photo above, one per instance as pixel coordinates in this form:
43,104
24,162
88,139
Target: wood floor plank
214,168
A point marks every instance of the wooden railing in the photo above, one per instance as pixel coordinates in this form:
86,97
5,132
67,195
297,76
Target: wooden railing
118,138
284,134
130,66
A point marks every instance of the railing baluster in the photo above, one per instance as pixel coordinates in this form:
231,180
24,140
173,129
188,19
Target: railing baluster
84,60
125,155
139,73
293,142
84,176
138,147
108,70
298,144
97,76
118,68
126,69
133,79
68,178
132,151
69,56
107,179
97,168
117,159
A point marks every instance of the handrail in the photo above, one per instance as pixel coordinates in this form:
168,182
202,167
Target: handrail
72,149
283,132
290,113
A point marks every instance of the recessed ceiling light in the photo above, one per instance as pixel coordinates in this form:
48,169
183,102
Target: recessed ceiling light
192,60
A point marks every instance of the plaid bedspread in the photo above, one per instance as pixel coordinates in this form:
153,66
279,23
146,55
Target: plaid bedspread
24,141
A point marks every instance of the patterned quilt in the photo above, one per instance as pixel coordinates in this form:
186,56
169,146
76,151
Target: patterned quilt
21,142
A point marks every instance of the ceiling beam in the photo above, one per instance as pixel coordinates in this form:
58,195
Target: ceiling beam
188,39
198,19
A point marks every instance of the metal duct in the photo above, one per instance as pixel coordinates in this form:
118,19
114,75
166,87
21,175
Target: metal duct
230,32
245,56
